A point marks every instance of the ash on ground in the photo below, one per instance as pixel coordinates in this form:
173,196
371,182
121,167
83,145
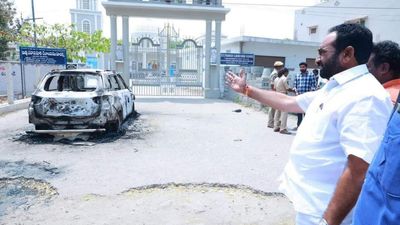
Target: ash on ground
22,193
38,170
134,127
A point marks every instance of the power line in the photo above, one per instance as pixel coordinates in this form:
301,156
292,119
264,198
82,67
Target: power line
310,6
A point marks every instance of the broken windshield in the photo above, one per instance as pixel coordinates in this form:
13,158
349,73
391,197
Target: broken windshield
80,82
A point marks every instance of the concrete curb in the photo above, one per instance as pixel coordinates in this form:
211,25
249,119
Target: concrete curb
18,105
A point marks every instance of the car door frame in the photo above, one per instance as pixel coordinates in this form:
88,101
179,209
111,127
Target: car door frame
126,95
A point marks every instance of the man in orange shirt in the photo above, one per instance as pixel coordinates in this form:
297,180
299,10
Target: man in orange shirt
384,64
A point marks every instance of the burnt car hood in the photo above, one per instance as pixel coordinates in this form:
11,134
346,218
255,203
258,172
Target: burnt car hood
67,104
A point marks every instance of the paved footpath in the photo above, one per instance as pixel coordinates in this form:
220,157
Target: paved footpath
182,161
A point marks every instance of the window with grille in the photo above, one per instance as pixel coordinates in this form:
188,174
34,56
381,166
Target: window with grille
85,4
86,26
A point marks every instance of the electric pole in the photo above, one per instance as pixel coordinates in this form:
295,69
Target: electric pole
34,23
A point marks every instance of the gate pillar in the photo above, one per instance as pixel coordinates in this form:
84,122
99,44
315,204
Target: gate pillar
208,91
212,71
113,24
125,40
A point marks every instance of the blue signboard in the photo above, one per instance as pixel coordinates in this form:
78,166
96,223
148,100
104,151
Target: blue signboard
237,59
54,56
91,62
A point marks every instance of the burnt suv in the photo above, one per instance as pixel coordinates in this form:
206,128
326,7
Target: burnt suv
81,99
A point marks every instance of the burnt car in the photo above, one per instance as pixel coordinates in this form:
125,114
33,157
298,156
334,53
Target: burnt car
81,99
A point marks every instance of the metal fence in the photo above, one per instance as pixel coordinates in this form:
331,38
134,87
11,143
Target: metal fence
167,70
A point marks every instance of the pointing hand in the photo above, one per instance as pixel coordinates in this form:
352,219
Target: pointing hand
237,83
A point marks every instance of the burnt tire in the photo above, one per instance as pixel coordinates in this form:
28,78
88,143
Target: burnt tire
133,113
114,126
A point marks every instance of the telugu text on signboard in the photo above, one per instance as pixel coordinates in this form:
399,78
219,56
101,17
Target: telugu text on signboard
54,56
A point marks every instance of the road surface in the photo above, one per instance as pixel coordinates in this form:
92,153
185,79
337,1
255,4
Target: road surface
181,161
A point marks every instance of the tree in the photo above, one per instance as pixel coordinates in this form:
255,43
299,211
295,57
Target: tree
7,28
77,43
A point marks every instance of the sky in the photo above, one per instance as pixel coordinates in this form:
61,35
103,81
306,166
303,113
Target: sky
259,18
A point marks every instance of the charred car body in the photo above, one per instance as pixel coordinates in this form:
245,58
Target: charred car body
81,99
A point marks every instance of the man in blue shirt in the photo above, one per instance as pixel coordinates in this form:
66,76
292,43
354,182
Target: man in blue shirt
379,200
304,82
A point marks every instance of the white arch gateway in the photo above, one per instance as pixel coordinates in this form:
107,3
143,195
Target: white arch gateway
210,11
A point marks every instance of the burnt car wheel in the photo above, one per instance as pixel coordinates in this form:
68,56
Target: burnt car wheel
134,113
115,125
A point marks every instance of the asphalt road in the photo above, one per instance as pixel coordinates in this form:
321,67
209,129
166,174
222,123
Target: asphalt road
182,161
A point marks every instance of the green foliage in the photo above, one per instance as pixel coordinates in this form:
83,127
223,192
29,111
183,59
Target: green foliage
7,25
77,43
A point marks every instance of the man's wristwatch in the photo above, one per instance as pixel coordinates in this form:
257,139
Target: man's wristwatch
323,222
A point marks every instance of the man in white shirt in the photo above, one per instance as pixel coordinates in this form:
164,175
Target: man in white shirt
342,129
